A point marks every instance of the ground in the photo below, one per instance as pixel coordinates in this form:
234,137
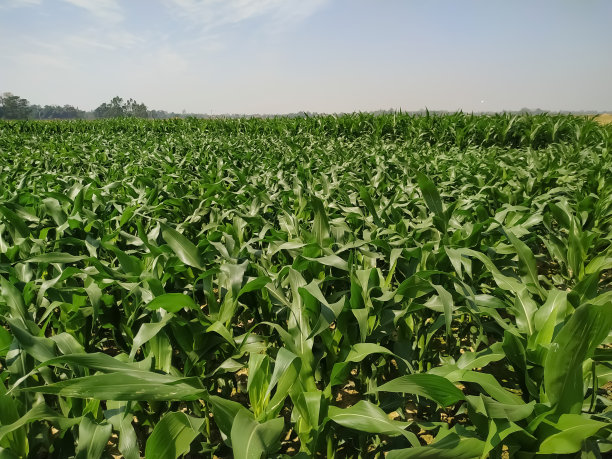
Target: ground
604,118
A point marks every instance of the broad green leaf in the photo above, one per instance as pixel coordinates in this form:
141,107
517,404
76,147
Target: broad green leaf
448,306
366,417
13,298
524,310
148,330
451,446
92,439
576,342
527,262
331,260
548,316
173,435
358,352
120,417
41,349
172,302
434,387
430,194
56,257
573,430
286,370
224,412
17,223
320,225
255,284
121,386
367,200
472,360
5,341
496,410
251,440
38,412
182,247
499,430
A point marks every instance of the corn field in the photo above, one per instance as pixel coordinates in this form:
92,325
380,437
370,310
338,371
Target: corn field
359,286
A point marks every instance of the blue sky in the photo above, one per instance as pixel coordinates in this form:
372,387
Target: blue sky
282,56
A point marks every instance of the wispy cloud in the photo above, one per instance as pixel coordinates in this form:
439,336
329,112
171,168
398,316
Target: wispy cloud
216,13
106,10
106,39
19,3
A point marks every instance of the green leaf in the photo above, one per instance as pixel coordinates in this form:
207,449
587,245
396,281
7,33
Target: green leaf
548,316
448,306
98,361
148,330
366,417
576,342
527,263
172,436
41,349
255,284
434,387
524,309
224,412
93,438
573,430
121,386
495,410
358,352
331,260
120,417
5,341
499,429
251,440
367,200
286,370
38,412
16,222
13,298
451,446
56,257
471,360
430,194
182,247
320,225
486,381
172,302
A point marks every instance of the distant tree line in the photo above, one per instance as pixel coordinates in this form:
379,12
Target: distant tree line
13,107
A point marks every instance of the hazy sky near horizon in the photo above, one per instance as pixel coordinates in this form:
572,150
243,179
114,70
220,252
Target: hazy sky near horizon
282,56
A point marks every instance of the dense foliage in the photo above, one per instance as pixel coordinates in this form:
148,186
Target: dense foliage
435,286
13,107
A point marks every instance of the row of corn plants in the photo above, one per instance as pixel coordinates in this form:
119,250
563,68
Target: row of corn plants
357,286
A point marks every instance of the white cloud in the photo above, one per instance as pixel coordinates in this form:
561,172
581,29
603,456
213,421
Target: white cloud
107,10
216,13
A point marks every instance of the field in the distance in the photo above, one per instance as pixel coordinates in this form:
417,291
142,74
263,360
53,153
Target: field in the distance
360,286
604,118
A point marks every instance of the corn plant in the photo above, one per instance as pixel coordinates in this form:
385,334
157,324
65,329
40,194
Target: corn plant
355,286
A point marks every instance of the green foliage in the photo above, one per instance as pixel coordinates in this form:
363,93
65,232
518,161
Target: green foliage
118,108
355,286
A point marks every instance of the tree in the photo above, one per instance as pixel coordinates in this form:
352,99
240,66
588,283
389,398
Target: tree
55,112
117,108
136,110
14,107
